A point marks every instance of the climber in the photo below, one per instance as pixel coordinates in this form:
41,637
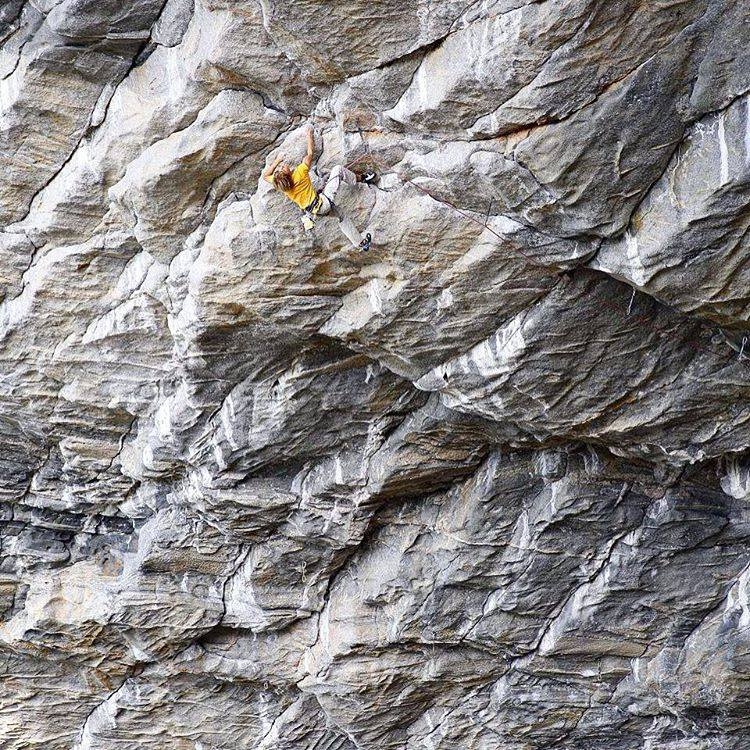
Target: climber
297,186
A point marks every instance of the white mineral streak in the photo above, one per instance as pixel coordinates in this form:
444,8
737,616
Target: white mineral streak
636,263
723,151
467,490
736,479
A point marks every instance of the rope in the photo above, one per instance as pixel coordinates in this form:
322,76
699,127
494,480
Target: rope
605,303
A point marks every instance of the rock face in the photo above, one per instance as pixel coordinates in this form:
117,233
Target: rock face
485,487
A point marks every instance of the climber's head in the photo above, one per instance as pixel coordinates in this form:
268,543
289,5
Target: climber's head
282,178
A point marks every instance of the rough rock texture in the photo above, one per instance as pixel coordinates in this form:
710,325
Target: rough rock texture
486,487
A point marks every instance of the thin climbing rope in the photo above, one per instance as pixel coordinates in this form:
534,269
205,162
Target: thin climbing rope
461,211
692,342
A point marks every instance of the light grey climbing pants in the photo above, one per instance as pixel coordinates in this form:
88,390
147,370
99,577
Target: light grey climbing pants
338,176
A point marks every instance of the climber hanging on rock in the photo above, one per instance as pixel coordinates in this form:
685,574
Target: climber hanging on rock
298,187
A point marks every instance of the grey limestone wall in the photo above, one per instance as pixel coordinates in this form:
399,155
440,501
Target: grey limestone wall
485,487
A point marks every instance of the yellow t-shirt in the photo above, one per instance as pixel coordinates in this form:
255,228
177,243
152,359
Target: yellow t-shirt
303,193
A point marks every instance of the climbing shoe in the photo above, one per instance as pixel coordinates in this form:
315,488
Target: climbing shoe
364,246
368,177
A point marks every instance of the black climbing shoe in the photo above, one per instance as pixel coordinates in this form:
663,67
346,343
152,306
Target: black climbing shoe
364,246
368,177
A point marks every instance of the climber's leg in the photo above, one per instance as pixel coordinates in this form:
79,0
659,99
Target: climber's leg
347,226
338,176
350,231
341,175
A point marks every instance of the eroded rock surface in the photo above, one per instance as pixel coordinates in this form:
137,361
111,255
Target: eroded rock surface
487,486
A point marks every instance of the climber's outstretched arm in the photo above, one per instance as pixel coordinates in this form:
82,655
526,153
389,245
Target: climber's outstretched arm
268,174
308,160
